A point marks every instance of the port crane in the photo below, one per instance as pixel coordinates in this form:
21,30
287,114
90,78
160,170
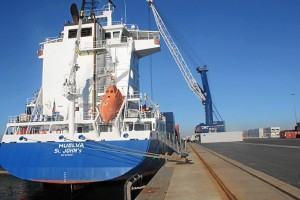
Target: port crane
191,81
202,94
210,110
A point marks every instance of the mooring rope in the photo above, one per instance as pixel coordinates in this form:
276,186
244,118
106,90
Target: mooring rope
118,149
129,151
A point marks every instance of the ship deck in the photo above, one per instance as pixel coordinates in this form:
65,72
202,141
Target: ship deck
210,175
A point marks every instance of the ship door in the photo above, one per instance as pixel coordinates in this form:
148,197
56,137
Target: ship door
79,129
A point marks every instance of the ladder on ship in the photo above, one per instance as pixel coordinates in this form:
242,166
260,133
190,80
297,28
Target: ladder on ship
105,74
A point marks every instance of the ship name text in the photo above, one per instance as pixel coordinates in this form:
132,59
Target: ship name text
69,149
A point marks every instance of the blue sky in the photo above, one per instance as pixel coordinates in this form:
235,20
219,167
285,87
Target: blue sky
251,48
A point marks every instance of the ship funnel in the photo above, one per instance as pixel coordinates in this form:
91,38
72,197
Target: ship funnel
74,13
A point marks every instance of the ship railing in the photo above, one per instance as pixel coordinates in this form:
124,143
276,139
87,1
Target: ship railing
13,119
104,23
164,136
87,115
144,35
170,140
23,118
98,12
134,95
72,90
49,118
30,101
92,45
53,39
132,113
117,41
147,114
45,128
101,89
132,27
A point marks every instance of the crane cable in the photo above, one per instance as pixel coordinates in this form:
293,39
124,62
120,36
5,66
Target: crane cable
217,114
192,56
151,77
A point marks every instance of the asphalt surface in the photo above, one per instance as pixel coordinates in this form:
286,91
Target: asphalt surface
209,175
279,158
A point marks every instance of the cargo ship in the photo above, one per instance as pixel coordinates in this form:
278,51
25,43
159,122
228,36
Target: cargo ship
89,122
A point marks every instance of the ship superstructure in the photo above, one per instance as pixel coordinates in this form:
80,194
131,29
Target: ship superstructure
88,122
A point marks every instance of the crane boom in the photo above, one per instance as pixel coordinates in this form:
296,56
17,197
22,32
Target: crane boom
71,92
191,81
72,75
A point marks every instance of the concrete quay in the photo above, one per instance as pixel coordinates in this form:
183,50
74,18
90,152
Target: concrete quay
209,175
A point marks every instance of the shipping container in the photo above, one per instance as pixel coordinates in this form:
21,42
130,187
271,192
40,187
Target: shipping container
271,132
221,137
289,134
256,133
170,122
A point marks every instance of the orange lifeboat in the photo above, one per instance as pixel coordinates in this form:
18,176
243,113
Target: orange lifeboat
111,103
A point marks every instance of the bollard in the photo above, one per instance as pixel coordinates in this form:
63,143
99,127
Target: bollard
128,184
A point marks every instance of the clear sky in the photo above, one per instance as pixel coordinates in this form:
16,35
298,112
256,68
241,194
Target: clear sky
251,48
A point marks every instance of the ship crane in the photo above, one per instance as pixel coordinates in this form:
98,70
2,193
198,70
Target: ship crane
72,92
202,94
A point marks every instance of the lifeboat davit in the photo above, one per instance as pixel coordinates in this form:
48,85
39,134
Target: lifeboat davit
111,103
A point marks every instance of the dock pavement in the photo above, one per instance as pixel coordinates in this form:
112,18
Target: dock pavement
209,175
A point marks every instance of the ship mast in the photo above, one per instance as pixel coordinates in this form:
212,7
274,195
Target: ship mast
73,92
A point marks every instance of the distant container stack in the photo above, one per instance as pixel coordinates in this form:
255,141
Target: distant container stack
269,132
297,128
289,134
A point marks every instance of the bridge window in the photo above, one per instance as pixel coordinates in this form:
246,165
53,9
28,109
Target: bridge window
129,126
85,32
108,35
116,34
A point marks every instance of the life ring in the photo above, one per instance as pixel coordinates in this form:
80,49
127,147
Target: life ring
156,41
58,131
40,52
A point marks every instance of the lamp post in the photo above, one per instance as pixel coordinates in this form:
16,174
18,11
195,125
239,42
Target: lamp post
295,108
